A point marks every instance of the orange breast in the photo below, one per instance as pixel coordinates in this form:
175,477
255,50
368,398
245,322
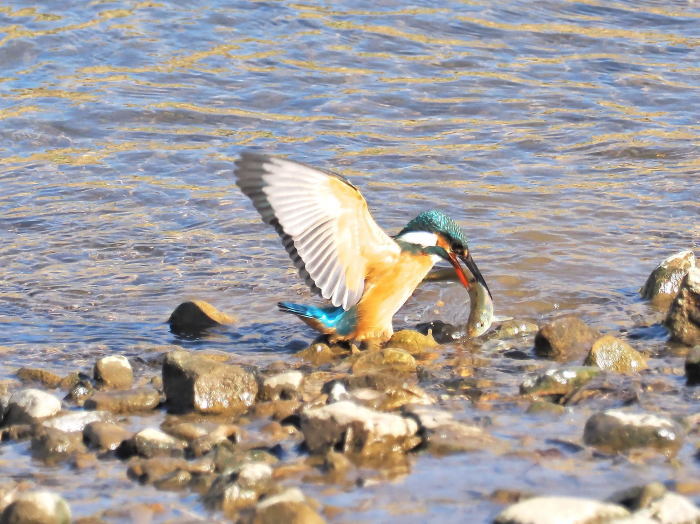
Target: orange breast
387,288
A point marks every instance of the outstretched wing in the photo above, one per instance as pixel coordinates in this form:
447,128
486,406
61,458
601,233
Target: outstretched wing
323,221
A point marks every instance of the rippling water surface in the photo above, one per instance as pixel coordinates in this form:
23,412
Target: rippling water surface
563,135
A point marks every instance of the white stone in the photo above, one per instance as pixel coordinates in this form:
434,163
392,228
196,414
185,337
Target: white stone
253,474
287,380
559,510
374,422
671,508
156,436
76,421
33,404
116,360
641,419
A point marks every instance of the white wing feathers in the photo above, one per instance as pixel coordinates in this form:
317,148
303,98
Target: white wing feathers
323,221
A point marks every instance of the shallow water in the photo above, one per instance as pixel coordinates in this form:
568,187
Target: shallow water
562,135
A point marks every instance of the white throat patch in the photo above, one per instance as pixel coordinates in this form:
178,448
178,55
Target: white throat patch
421,238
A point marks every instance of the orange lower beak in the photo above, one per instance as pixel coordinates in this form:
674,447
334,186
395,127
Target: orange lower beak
461,275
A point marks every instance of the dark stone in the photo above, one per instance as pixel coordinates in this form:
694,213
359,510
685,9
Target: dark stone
683,320
195,317
565,339
692,366
192,382
442,332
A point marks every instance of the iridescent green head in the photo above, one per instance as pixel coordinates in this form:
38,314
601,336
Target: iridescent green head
439,235
435,221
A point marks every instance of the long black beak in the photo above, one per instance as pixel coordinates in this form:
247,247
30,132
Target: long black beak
471,266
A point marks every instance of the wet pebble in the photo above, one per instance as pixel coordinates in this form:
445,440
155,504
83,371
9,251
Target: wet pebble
152,442
560,510
683,320
53,445
44,377
193,382
442,332
288,506
132,401
565,339
319,353
612,354
414,342
113,372
30,405
385,360
37,507
282,386
665,280
513,328
196,316
615,431
105,436
558,381
356,428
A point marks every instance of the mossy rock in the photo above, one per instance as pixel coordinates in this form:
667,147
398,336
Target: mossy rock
612,354
412,341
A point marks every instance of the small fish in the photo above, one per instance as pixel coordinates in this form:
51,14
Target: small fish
481,309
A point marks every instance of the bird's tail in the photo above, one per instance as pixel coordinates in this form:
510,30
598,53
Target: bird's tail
327,317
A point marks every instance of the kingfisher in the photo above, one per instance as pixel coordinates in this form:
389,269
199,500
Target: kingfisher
340,251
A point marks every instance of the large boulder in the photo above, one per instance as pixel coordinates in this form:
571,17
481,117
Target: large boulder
565,339
193,382
664,282
683,320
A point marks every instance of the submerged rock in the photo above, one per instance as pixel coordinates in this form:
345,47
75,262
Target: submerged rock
30,405
37,507
53,445
513,328
356,428
558,381
443,434
47,378
665,280
442,332
385,360
132,401
565,339
196,316
692,366
615,431
683,320
612,354
192,382
319,353
560,510
114,372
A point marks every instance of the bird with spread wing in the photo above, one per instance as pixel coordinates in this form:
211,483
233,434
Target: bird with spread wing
341,252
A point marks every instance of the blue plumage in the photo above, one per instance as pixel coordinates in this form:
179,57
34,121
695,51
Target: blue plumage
324,319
